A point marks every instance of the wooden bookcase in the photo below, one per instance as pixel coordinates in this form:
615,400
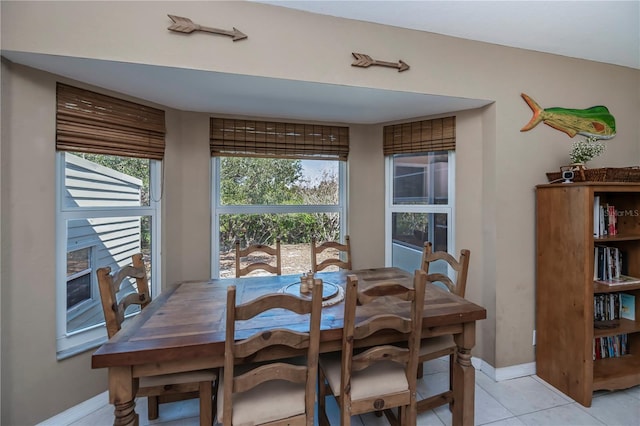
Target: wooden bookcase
565,287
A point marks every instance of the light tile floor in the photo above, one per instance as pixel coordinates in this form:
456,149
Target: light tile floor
522,401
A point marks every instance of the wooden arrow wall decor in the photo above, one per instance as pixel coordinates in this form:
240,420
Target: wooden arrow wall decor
366,61
186,25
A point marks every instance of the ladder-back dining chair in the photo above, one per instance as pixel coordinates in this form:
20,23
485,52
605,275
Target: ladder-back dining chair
436,347
160,388
255,261
380,377
278,392
342,252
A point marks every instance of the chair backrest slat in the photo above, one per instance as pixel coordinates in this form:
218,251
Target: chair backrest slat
254,250
343,250
460,267
272,301
258,341
110,283
265,373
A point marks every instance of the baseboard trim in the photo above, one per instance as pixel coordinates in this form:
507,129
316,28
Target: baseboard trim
79,411
505,373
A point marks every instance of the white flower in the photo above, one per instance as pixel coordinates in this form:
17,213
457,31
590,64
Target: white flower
586,149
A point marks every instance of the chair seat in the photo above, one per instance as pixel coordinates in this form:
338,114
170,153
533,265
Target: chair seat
379,379
179,378
432,345
270,401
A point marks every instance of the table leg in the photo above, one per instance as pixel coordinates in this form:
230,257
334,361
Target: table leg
464,377
122,391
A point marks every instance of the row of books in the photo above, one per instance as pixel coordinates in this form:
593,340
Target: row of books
610,346
606,306
605,219
609,263
613,306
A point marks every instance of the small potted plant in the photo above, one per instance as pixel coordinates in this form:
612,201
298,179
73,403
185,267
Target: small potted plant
585,150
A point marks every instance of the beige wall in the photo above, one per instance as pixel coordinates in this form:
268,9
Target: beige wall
34,384
186,252
497,166
365,204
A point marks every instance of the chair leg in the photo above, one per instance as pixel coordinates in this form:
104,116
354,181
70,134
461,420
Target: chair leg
214,413
402,416
206,403
322,394
452,359
420,369
394,420
152,407
345,412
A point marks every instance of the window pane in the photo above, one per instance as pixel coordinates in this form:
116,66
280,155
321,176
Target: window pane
268,181
78,261
420,178
293,229
409,233
414,229
78,290
94,180
107,241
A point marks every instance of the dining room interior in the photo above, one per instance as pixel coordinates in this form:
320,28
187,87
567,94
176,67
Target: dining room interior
240,65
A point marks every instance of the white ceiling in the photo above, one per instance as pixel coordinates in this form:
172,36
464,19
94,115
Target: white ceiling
601,31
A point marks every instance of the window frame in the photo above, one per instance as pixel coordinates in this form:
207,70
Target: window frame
217,208
391,208
71,343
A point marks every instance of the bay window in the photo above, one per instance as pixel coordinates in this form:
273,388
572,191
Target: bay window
420,170
276,180
108,204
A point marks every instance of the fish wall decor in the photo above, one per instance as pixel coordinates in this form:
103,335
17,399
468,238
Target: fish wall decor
594,122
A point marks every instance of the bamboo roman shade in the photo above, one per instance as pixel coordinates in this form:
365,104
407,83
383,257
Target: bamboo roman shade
420,136
99,124
249,138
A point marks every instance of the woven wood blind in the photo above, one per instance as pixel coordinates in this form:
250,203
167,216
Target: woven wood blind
420,136
248,138
99,124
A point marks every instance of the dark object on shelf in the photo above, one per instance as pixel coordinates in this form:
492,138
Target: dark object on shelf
603,325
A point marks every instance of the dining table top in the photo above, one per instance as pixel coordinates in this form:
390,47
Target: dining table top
188,318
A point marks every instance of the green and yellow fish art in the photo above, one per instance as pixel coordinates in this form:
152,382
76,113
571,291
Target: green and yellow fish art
595,122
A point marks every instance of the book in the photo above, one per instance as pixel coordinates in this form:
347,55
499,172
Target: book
627,306
612,220
622,279
599,263
596,216
603,221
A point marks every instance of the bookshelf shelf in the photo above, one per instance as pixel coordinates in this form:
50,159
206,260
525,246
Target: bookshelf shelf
604,240
566,291
625,326
616,373
603,288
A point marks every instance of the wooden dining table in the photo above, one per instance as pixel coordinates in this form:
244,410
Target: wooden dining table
183,329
